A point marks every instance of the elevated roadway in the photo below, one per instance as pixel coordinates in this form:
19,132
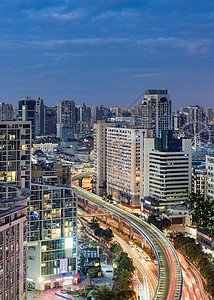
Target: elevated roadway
170,275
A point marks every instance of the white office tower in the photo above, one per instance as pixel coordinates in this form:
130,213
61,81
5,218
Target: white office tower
156,111
124,146
167,170
210,175
100,152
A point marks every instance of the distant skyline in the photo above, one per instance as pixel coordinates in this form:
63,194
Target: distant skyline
107,51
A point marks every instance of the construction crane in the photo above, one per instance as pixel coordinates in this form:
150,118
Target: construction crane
137,99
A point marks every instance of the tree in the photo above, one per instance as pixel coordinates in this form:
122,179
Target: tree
164,223
160,224
125,280
94,224
102,293
201,260
98,232
152,220
90,274
203,210
107,235
126,295
123,262
82,261
116,248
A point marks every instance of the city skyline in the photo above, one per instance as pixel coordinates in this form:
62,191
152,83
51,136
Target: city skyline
107,52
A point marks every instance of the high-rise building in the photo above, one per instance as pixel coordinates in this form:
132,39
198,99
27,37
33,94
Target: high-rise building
210,175
85,115
138,111
32,110
52,240
199,179
210,115
100,152
167,169
123,163
156,111
178,120
66,118
15,145
13,244
6,112
115,110
59,174
196,119
83,120
98,112
39,116
50,120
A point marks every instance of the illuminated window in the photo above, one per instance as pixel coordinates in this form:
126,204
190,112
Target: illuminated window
56,233
2,137
68,243
25,147
43,248
11,176
12,137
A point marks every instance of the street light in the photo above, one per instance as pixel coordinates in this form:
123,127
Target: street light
41,286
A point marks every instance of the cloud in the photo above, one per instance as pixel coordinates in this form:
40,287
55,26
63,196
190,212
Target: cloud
148,75
64,16
81,42
185,46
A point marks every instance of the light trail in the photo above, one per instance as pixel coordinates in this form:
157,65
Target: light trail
193,287
144,271
148,279
170,274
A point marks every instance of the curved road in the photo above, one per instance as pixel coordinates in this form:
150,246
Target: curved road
170,274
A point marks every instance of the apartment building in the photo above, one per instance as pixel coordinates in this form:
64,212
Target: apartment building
15,145
13,244
57,174
210,175
199,181
123,155
100,152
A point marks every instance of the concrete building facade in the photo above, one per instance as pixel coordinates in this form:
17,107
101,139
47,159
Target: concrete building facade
13,245
15,145
167,170
210,175
6,112
100,152
66,117
199,181
156,111
124,147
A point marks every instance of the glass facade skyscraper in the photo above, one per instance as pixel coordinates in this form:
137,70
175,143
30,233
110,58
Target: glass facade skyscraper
52,229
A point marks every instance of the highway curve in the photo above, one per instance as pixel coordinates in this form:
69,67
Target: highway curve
170,274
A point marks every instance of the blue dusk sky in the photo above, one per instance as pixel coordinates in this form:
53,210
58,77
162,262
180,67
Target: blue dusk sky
107,51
